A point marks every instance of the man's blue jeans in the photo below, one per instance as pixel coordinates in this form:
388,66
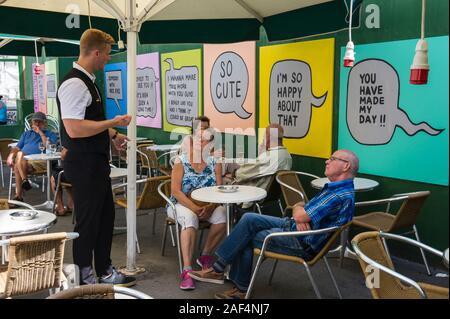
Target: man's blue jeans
237,249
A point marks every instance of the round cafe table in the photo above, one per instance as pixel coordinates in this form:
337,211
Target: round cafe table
10,227
361,184
243,194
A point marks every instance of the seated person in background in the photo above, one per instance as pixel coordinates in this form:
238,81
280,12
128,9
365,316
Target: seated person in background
192,171
333,206
28,145
60,210
274,157
3,112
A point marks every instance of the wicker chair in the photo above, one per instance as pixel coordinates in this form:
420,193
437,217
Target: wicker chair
292,188
405,218
370,249
164,192
263,254
148,200
99,291
35,264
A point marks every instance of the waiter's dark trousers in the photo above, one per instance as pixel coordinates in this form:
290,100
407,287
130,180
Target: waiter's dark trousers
94,208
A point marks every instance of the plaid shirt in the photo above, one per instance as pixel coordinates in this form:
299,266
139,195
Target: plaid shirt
333,206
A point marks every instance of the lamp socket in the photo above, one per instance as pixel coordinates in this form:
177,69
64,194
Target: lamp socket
349,57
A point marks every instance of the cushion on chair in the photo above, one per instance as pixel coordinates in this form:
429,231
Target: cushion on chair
375,221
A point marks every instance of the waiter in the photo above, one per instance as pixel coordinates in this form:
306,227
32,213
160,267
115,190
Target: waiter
86,134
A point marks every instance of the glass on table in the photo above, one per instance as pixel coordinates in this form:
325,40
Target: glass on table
42,147
52,148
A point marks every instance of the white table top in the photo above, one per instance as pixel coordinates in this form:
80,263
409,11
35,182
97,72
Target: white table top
361,184
243,194
44,157
117,172
11,227
164,147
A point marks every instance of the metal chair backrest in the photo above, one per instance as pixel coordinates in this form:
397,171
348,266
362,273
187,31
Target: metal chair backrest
52,123
150,198
147,157
375,261
99,291
35,263
292,188
409,210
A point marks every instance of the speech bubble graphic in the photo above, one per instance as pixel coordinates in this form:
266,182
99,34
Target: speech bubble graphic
114,86
291,97
51,85
146,92
373,112
229,84
181,94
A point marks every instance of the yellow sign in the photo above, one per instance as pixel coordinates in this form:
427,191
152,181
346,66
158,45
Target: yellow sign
181,75
296,91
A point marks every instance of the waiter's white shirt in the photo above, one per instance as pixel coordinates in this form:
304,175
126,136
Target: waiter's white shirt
74,96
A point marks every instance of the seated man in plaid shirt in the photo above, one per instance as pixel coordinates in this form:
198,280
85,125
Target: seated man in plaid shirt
333,206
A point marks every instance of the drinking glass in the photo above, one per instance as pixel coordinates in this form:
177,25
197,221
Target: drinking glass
42,147
53,148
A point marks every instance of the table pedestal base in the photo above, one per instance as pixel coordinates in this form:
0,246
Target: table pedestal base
45,205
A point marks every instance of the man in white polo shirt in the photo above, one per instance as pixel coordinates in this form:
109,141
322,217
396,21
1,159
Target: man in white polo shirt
86,134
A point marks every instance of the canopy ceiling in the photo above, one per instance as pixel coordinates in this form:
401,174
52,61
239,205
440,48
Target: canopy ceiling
172,21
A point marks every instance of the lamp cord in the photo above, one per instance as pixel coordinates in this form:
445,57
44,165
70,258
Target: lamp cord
350,21
422,29
89,13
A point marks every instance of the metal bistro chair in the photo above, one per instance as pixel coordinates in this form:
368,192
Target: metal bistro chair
35,264
167,169
149,198
148,159
264,253
411,204
292,188
4,152
164,191
266,181
375,262
100,291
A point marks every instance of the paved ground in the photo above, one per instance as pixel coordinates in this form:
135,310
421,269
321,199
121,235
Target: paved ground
290,281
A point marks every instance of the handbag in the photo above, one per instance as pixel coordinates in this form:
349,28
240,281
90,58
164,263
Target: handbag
197,202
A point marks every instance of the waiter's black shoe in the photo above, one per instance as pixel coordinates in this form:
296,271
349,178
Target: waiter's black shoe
26,184
117,279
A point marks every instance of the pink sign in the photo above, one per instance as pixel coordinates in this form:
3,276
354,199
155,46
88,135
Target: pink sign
229,86
148,90
39,88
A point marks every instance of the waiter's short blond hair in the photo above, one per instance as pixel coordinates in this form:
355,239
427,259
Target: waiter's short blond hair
94,39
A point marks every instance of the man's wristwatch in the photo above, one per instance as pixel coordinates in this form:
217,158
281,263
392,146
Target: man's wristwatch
115,135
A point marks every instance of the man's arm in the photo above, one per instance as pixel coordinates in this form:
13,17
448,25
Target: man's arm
86,128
